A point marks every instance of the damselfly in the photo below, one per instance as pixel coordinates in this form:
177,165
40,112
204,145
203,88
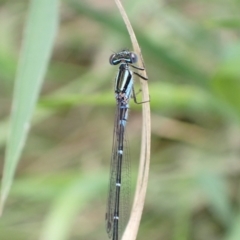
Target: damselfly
123,92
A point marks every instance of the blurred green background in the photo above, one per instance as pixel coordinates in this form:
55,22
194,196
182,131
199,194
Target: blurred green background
192,55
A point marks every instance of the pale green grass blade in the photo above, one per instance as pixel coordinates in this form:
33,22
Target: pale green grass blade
41,27
74,198
234,232
216,192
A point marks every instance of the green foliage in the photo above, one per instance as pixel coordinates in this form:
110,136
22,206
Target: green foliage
191,51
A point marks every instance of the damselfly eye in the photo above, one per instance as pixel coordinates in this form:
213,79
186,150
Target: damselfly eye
133,57
113,60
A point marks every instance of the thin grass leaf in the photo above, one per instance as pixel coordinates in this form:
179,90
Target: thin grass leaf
234,232
216,192
226,85
77,195
41,27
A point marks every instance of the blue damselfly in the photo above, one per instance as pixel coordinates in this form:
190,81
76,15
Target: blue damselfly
119,160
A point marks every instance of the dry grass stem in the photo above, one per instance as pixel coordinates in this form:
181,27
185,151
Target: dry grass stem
142,180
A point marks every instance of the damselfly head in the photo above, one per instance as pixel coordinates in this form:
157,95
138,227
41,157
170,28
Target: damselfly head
124,56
